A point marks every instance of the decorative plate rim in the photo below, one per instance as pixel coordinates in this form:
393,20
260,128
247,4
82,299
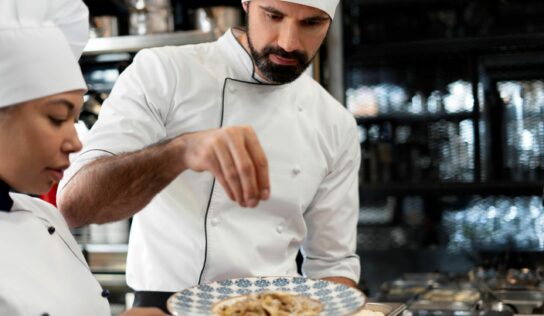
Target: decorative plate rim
173,297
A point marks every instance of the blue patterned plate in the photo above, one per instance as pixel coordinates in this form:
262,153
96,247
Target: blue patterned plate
337,299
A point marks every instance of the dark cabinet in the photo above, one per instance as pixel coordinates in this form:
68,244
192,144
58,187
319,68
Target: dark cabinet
449,99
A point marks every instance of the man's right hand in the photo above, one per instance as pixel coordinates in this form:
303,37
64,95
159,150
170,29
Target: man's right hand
232,154
235,157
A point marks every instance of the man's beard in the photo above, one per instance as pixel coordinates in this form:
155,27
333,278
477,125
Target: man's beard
278,73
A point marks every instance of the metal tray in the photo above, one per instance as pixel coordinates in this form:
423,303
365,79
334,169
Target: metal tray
402,290
389,309
468,296
524,301
440,305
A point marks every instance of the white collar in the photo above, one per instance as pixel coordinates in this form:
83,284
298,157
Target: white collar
242,60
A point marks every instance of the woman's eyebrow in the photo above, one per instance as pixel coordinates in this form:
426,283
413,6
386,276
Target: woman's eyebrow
67,103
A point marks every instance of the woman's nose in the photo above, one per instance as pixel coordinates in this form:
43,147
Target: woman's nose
72,143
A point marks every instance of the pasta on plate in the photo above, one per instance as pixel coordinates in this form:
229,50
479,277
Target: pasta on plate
268,304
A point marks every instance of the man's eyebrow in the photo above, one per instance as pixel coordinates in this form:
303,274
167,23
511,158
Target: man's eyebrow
64,102
271,10
319,17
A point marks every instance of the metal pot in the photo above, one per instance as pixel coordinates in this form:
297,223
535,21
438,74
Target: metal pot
217,19
150,17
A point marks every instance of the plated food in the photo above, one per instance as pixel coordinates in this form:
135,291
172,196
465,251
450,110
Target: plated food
268,304
320,298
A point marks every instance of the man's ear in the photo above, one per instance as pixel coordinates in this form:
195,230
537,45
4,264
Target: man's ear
245,5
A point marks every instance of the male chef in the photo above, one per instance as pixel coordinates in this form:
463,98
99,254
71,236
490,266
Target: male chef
230,158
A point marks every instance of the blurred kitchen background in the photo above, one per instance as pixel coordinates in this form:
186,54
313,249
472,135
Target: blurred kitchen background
449,99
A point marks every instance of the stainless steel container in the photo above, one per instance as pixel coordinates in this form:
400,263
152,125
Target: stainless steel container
104,26
438,305
217,19
150,17
524,301
388,309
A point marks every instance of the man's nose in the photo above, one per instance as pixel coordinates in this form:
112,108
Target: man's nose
289,37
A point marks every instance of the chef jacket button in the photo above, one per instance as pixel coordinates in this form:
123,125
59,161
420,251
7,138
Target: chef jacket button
45,314
300,108
232,89
296,170
105,293
279,229
214,222
51,230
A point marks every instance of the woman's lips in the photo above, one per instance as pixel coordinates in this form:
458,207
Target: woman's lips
282,61
56,174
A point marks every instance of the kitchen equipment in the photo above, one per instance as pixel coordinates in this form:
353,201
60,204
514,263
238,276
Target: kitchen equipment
150,17
106,258
98,234
387,309
455,313
404,290
217,19
117,232
468,296
520,279
524,301
104,26
440,305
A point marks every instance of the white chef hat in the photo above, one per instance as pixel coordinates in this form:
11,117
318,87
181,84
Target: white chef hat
328,6
40,44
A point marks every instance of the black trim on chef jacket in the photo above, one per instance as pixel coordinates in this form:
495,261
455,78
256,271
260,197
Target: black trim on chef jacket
6,203
258,83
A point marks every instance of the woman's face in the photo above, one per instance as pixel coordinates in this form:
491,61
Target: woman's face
36,138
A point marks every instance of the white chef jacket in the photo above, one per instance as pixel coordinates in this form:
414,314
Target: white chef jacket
42,269
191,232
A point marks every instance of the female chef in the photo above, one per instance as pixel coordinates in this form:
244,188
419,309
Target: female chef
42,270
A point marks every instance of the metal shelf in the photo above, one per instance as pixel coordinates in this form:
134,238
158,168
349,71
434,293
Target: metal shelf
446,46
455,188
410,119
134,43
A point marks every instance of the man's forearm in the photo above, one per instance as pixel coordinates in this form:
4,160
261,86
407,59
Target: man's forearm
115,188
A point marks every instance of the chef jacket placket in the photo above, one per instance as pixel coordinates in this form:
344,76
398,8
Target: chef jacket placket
209,213
212,217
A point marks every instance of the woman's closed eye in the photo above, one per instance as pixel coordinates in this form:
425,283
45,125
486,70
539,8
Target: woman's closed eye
57,121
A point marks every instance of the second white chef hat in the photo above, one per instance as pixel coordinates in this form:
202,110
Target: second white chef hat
40,44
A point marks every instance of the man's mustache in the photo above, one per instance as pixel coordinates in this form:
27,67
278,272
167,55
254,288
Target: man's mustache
296,55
